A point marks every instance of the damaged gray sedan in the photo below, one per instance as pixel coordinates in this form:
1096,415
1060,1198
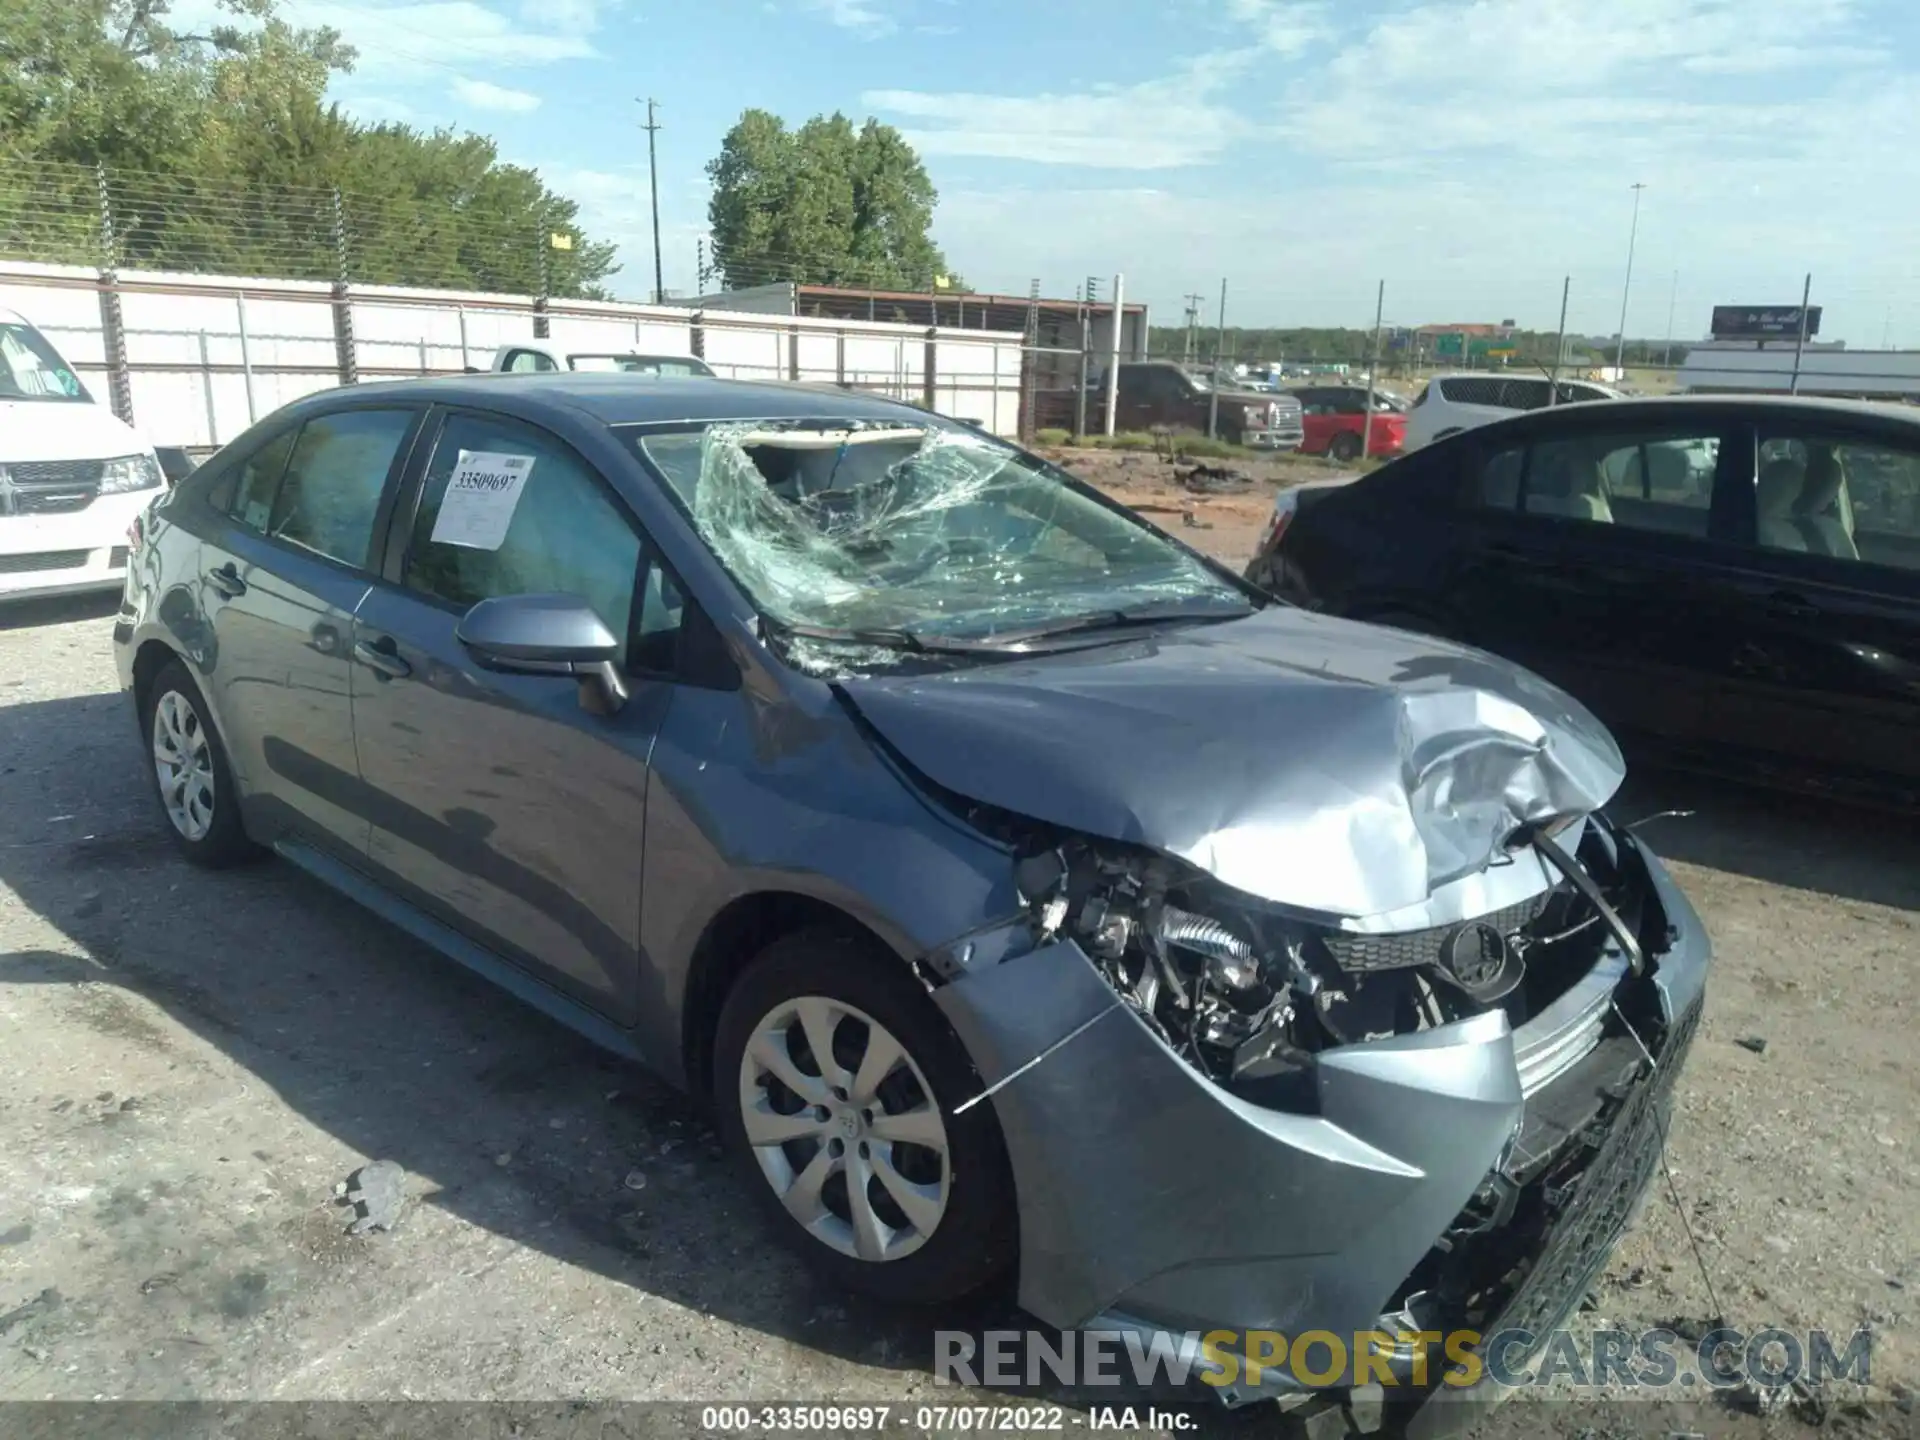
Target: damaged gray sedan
1030,897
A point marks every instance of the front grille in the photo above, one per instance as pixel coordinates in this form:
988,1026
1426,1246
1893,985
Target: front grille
42,560
49,487
1360,954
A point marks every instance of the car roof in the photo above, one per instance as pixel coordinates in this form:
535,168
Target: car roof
1641,409
616,398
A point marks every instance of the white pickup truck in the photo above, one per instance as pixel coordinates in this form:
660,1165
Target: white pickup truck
522,357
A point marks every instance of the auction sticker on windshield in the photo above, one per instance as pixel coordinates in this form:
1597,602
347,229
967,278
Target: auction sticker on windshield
482,494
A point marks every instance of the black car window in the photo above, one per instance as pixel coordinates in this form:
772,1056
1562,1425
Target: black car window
259,482
1474,389
1525,394
523,361
528,517
1652,480
1838,497
330,494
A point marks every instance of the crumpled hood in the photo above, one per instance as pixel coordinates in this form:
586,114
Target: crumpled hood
1323,764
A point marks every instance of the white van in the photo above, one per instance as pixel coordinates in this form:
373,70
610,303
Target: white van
72,475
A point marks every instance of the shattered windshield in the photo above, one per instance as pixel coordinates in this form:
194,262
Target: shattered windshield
918,535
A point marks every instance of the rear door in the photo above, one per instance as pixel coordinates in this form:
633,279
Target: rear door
281,575
1581,570
1825,671
506,807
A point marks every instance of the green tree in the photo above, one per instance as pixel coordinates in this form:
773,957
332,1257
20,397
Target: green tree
221,153
826,204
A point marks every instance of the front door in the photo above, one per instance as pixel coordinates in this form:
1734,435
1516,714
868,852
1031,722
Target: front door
281,576
503,805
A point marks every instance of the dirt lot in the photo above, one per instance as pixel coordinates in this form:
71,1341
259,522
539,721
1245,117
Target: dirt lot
190,1062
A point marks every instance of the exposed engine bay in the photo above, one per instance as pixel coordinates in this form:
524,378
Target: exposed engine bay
1247,992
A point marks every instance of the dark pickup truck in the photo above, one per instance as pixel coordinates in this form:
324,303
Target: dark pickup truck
1160,393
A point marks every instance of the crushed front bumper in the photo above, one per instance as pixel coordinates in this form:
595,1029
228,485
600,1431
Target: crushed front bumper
1152,1199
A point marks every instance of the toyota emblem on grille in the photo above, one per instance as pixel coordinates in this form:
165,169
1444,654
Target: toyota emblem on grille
1480,960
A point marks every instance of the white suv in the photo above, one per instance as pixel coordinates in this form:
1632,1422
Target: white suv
72,475
1452,403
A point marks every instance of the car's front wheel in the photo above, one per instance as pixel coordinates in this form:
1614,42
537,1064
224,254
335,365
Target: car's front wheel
835,1082
191,773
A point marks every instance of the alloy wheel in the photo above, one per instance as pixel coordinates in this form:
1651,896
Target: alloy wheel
183,763
845,1129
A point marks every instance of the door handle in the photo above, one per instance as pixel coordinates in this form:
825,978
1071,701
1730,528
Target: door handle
1786,605
383,656
226,579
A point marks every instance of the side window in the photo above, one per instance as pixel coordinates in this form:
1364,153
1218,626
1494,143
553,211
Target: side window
1651,481
330,496
259,482
1474,390
1840,498
1500,479
658,621
530,518
1525,394
523,361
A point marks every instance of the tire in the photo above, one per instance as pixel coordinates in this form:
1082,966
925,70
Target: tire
962,1233
1344,448
190,764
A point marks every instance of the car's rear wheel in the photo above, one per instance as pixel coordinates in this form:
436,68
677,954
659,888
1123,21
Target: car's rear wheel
835,1081
191,774
1344,448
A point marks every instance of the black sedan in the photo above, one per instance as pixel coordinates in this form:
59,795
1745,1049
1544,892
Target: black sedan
1732,582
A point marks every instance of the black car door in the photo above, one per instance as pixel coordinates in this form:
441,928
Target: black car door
282,570
1582,563
504,806
1825,669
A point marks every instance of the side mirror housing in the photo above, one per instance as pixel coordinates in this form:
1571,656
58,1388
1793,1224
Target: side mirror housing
546,635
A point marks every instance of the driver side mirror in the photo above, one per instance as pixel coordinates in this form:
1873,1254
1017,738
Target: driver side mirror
547,635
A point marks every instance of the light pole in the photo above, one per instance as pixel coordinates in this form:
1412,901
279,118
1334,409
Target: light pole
1626,288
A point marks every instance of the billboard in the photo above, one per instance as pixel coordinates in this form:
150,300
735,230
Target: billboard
1763,322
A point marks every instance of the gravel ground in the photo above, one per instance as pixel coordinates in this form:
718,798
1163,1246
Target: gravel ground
190,1062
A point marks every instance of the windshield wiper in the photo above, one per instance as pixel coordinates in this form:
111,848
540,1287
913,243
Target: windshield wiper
1119,619
881,638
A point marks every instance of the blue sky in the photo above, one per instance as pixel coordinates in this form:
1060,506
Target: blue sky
1469,152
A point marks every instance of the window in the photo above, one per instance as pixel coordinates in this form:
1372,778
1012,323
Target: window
330,495
260,480
523,361
1841,498
564,531
31,369
1650,481
1474,390
1525,394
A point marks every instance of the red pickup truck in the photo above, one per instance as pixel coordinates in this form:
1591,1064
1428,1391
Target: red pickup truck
1334,418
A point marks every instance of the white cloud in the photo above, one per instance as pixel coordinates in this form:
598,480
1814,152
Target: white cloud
866,18
1160,124
1286,27
485,95
444,33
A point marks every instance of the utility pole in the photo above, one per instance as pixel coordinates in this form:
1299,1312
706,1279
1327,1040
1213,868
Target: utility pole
1559,345
1219,344
1193,326
1800,344
1673,295
1373,371
1620,340
652,128
1113,351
